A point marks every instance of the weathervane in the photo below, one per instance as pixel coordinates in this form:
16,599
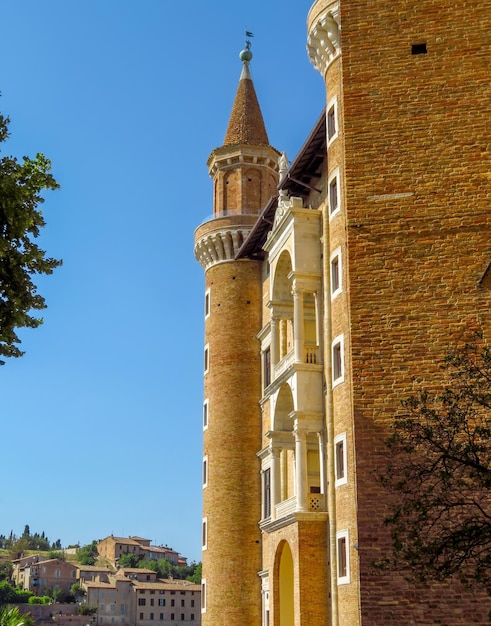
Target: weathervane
247,41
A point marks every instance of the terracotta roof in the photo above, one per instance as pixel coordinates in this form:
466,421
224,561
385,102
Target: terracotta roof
167,584
246,124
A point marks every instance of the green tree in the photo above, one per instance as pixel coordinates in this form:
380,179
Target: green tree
129,559
195,577
439,475
10,616
77,591
21,185
87,555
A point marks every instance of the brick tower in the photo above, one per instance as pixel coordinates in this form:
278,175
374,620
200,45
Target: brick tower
244,172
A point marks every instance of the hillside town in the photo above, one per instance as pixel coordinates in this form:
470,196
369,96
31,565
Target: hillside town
106,592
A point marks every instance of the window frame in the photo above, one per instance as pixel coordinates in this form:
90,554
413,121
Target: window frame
204,534
205,471
345,577
337,209
332,105
336,256
340,440
338,342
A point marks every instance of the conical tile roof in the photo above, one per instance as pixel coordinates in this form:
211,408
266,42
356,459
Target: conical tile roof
246,124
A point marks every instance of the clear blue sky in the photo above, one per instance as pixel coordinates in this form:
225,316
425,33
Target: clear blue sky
101,419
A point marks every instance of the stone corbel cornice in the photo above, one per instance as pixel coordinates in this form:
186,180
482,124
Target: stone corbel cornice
324,40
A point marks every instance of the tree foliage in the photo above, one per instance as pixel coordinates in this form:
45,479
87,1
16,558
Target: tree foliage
21,186
440,474
87,555
11,616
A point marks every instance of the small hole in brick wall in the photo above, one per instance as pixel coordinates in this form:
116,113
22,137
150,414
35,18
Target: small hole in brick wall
218,304
233,277
418,48
248,301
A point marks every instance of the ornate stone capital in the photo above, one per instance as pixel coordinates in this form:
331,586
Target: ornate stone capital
324,40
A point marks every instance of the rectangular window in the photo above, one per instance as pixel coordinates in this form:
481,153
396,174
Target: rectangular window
207,303
192,617
182,617
192,603
267,367
332,120
151,615
173,602
205,471
161,616
203,596
338,360
141,602
204,533
172,616
206,359
267,493
343,557
151,601
162,602
340,460
182,602
336,273
205,415
333,195
141,615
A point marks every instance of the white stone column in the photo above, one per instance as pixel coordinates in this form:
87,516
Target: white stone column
298,330
322,468
301,468
275,480
274,343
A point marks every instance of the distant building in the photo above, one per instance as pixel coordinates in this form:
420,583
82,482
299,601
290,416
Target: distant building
112,548
42,575
137,598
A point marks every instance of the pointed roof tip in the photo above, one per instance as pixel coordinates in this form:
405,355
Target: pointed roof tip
246,124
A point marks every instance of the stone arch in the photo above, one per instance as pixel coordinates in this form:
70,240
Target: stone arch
283,407
284,586
282,284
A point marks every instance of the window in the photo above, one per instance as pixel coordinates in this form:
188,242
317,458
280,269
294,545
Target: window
340,460
162,602
172,616
204,533
173,602
192,617
151,615
267,367
332,120
182,617
343,557
141,602
207,303
206,363
192,603
161,616
203,595
336,273
182,602
333,197
205,415
141,615
338,360
205,472
267,493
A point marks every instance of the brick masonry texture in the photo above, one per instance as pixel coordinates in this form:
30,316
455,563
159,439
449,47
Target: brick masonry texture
417,237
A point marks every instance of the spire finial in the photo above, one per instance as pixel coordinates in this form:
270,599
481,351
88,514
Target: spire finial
246,54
